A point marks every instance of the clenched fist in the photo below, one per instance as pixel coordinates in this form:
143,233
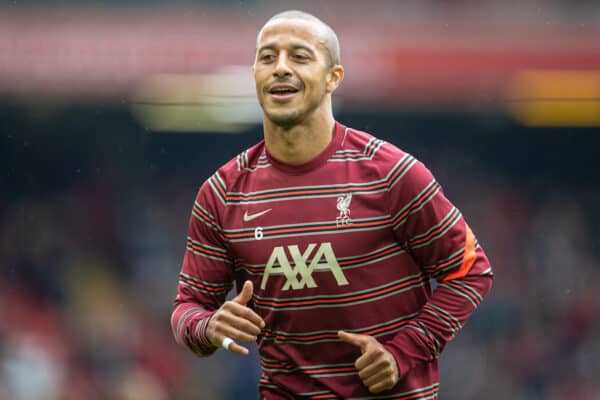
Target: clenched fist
376,366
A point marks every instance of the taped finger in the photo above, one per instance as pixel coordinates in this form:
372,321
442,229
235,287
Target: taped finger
226,343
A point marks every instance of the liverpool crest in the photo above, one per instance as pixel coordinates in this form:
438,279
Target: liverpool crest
343,206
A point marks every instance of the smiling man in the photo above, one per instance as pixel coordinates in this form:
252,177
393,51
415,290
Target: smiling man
296,70
332,238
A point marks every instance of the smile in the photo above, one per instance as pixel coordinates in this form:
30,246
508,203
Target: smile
283,96
282,92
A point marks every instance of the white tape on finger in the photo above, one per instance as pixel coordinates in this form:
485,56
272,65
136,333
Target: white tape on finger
226,342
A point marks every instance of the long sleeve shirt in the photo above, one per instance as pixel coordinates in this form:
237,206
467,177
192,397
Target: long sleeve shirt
361,239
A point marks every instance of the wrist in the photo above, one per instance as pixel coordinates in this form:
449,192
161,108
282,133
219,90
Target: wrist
201,333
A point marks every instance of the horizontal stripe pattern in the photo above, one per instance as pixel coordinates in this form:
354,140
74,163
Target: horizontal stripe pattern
463,290
201,333
444,316
215,289
354,155
416,204
341,300
243,164
182,321
453,261
429,392
436,231
313,371
312,228
204,250
307,338
304,192
402,185
325,394
422,329
188,323
205,217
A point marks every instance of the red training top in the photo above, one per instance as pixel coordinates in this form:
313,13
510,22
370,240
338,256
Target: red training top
351,240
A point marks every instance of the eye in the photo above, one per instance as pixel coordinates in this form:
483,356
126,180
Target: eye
267,57
300,57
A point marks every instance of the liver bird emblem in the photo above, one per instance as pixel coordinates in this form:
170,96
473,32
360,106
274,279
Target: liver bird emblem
343,206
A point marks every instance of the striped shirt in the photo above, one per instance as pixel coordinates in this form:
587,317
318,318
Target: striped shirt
351,240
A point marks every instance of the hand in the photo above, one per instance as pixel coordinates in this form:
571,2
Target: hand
236,321
376,366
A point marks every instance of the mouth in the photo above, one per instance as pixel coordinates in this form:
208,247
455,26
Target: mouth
282,91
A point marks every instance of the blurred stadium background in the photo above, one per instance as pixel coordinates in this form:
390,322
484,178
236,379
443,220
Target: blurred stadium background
112,113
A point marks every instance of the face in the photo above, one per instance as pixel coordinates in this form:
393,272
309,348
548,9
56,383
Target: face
292,71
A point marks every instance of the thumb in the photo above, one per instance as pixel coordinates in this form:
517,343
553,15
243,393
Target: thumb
245,294
353,339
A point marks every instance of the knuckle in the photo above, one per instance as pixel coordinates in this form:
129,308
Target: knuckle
220,315
227,305
220,322
374,389
247,338
212,327
238,309
389,383
216,316
248,326
249,329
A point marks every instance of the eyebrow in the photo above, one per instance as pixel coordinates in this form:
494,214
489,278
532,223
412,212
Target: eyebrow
295,47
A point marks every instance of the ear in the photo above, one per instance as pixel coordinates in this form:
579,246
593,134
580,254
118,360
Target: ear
334,78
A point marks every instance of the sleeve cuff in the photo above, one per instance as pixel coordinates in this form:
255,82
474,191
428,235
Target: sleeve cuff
198,342
408,350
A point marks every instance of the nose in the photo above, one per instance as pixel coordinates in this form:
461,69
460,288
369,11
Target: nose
282,68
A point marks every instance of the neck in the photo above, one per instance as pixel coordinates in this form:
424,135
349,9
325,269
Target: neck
299,143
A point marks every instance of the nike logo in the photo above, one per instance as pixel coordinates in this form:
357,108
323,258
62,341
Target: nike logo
250,217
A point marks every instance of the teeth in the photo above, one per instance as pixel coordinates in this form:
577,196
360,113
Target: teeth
283,90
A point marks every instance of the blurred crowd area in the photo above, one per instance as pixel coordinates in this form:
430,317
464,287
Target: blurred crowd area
520,9
93,218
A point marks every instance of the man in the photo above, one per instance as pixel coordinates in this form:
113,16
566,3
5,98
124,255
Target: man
332,237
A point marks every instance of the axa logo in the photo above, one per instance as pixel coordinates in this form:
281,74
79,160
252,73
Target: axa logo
300,275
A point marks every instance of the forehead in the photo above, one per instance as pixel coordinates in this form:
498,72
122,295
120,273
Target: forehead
283,32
